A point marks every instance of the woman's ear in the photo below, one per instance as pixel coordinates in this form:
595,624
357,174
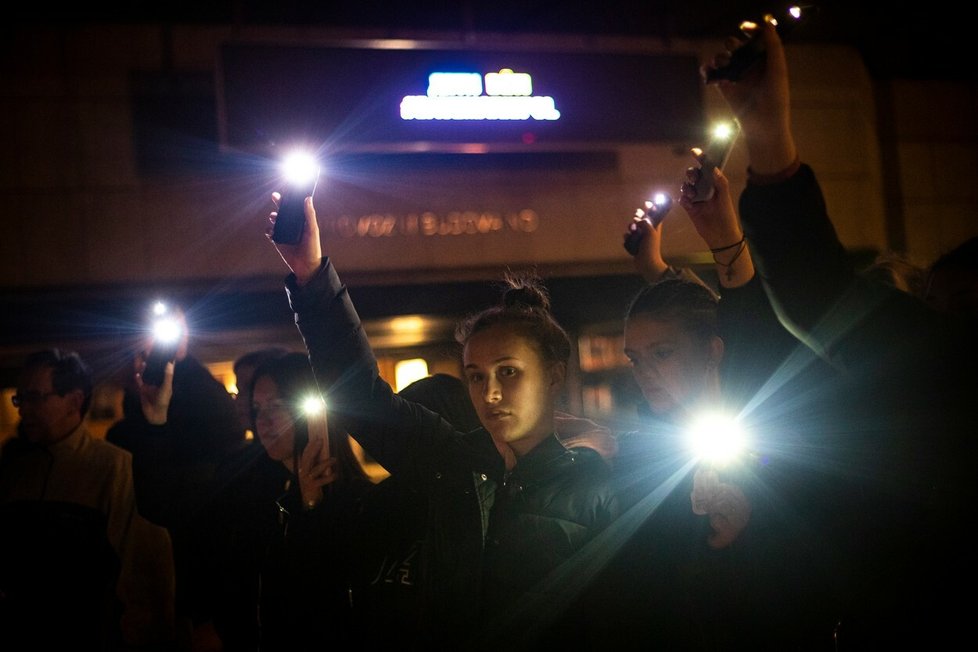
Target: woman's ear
558,374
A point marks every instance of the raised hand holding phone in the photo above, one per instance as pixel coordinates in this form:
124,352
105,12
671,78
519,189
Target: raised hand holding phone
167,329
317,423
654,212
316,468
304,256
713,156
752,50
300,177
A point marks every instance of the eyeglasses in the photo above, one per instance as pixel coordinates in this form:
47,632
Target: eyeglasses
20,400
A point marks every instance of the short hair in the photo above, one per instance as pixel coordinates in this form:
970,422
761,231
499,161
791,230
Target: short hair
294,379
678,299
525,306
68,372
446,395
257,357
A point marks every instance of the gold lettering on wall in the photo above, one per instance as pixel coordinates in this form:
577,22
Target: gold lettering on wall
429,223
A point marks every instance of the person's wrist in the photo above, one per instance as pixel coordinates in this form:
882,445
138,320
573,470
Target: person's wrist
304,273
726,240
771,155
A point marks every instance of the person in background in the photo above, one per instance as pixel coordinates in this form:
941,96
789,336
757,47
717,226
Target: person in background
393,523
244,371
79,567
899,271
891,437
173,466
274,560
703,547
176,454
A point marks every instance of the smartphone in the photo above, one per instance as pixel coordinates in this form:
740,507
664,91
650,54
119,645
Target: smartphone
167,332
156,359
714,155
291,218
654,212
752,50
317,425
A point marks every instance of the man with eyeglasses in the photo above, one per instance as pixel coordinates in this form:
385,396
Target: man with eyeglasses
79,567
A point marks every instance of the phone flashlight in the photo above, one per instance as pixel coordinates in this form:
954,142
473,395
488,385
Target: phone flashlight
314,409
654,212
300,174
752,50
312,405
717,439
723,135
167,330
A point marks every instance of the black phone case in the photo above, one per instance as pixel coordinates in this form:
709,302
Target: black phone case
752,50
156,361
291,217
654,216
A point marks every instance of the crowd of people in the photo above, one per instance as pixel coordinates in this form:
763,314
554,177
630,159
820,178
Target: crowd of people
506,523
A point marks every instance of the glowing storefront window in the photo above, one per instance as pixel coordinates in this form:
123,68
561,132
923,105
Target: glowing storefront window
408,371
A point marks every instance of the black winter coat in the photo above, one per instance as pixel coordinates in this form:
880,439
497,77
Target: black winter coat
478,545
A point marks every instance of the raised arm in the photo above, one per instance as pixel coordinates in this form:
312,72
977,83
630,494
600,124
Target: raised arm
402,436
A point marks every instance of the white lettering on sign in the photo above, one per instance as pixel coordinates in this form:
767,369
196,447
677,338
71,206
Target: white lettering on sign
448,84
458,96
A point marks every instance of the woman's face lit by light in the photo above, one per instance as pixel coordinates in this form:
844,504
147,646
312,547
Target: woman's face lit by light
274,420
512,388
671,367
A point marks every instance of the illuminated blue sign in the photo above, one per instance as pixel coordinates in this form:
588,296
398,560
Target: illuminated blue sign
458,96
454,99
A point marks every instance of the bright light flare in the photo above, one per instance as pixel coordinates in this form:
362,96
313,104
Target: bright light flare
795,12
723,131
166,330
717,439
313,405
300,168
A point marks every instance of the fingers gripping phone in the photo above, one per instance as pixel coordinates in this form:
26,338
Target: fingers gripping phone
752,50
714,155
167,331
300,179
317,425
655,211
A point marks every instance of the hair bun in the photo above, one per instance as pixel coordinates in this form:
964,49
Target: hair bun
525,291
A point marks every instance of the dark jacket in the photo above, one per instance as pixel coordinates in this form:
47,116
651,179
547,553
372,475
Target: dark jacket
172,464
663,586
556,499
892,442
272,575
